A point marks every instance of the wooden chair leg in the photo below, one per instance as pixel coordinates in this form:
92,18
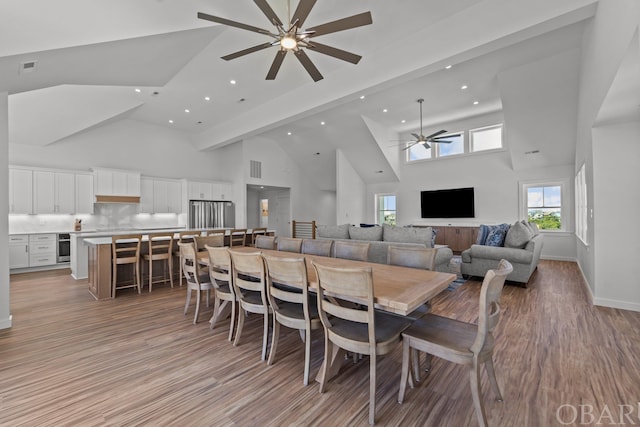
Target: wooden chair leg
265,335
415,363
328,354
216,313
239,328
138,279
274,340
488,365
307,355
114,278
372,388
476,393
170,267
406,352
150,275
198,297
233,320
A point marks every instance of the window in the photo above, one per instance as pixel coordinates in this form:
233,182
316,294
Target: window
487,138
386,209
418,152
456,146
544,206
581,205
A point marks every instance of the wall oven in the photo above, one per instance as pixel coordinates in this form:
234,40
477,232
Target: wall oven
64,248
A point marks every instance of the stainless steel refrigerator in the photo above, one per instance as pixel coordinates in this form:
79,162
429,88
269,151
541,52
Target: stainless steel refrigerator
211,214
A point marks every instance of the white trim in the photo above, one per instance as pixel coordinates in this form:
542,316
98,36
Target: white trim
586,284
6,323
622,305
566,203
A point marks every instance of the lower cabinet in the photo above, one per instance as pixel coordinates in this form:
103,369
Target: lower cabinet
457,238
34,250
19,251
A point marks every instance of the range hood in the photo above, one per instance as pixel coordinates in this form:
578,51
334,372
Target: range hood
117,199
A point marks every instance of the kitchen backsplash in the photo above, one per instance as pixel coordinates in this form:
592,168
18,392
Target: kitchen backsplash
107,216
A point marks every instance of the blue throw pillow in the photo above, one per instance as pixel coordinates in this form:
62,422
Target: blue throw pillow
496,235
483,232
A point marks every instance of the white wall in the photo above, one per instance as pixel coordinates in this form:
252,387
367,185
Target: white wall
605,42
350,194
616,156
5,309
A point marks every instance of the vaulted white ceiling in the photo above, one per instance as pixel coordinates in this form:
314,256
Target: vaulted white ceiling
91,55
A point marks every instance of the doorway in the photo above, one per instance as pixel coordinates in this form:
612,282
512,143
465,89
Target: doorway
269,207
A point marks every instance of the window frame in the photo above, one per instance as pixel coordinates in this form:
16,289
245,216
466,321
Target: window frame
565,203
484,128
378,211
581,209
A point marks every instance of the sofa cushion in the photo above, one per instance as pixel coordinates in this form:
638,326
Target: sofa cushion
392,233
518,236
333,231
372,234
496,235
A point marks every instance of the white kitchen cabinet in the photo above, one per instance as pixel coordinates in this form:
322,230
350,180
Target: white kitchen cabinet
20,191
53,192
84,194
42,249
113,182
197,190
221,191
146,195
19,251
167,196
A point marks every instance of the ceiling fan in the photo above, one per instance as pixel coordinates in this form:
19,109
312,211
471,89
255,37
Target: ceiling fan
294,39
425,140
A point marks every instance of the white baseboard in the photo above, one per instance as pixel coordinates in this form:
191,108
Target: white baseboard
586,284
6,323
612,303
558,258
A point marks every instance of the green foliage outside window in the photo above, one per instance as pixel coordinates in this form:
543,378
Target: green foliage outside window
390,219
546,221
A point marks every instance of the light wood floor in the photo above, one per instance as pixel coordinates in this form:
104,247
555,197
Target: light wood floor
136,360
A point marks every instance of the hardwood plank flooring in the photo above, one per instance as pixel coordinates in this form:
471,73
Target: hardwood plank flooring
136,360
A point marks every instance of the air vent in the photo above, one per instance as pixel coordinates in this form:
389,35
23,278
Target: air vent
28,66
255,169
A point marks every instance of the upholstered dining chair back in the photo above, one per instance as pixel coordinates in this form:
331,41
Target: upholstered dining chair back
220,275
289,244
321,247
356,251
412,256
255,232
265,242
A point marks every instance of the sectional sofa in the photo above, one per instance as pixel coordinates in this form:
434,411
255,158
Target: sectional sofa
380,237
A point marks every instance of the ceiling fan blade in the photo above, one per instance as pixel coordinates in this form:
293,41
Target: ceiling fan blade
308,65
275,65
342,24
246,51
302,11
269,13
440,141
335,52
433,135
231,23
415,135
409,146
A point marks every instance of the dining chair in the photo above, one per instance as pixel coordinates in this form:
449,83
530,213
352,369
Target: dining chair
412,256
356,251
214,231
196,279
265,242
255,232
250,288
289,244
160,247
288,293
184,236
361,330
460,342
321,247
237,237
125,250
214,240
221,277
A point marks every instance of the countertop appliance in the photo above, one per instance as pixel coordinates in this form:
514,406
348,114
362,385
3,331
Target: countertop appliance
211,214
63,253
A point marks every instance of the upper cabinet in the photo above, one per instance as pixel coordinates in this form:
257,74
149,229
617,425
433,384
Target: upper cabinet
160,195
114,182
20,191
146,195
53,192
84,194
201,190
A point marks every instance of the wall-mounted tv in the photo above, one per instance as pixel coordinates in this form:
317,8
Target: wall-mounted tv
453,203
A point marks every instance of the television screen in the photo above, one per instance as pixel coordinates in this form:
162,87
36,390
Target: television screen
453,203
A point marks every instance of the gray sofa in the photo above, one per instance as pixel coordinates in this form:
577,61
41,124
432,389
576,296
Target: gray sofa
381,238
521,249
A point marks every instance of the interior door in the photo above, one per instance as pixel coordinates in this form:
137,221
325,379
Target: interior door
282,214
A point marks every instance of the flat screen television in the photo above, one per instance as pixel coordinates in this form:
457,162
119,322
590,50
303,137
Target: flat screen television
453,203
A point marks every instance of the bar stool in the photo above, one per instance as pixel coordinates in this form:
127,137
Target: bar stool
262,231
160,249
184,237
237,237
125,250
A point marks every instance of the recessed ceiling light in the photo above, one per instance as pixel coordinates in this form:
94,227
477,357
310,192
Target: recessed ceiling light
463,87
137,90
448,67
322,123
317,153
384,110
361,96
186,110
403,121
232,82
289,133
206,98
170,121
379,171
476,102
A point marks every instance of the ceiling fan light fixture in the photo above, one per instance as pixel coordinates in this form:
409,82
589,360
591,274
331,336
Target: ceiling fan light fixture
288,42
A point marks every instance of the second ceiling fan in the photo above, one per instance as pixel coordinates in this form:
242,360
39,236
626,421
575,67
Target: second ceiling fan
295,39
425,140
